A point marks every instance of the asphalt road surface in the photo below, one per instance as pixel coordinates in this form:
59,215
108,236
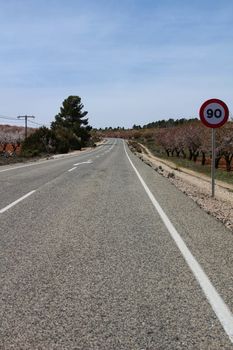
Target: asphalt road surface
98,251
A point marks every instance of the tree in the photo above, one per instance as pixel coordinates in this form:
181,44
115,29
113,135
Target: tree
193,140
136,127
224,145
10,139
72,122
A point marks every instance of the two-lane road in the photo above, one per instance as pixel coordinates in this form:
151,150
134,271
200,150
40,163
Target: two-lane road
18,179
98,251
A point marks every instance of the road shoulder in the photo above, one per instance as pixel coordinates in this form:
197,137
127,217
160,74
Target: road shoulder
195,186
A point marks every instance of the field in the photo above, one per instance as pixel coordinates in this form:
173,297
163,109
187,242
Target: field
220,173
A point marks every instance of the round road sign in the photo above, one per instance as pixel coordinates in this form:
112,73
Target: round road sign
214,113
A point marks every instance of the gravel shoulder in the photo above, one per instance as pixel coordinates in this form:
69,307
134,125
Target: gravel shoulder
194,185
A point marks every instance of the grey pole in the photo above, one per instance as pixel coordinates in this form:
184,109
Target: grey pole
213,163
26,122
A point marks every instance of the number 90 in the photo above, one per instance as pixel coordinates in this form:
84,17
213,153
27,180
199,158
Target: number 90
217,113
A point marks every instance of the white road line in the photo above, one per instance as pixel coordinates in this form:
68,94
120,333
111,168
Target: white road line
87,162
220,308
54,160
72,169
16,202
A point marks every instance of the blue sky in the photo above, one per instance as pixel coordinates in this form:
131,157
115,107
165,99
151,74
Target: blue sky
131,61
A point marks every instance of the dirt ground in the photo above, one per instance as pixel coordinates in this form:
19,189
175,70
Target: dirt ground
194,185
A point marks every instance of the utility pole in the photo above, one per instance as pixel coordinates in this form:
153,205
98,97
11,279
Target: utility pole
26,121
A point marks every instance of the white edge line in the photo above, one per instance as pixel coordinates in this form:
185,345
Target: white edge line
16,202
72,169
24,166
220,308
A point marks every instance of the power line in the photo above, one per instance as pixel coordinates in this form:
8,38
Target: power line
26,120
30,121
7,118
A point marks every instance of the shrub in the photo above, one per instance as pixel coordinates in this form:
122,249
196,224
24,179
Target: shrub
43,140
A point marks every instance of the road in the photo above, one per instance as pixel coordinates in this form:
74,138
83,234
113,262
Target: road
98,251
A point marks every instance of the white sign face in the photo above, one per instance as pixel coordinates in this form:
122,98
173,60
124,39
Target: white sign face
214,113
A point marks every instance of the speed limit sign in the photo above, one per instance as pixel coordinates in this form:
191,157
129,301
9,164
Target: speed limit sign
214,113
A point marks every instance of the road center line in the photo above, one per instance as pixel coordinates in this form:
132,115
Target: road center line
53,160
16,202
218,305
87,162
72,169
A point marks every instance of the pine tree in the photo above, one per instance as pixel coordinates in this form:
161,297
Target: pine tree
71,120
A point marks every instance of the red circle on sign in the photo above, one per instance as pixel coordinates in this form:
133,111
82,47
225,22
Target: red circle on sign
203,117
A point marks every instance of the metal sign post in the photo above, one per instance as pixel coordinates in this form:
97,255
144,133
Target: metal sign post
213,114
213,163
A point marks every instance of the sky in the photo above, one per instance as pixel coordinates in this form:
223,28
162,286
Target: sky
131,61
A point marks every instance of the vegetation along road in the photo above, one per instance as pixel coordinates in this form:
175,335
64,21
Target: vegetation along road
97,251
